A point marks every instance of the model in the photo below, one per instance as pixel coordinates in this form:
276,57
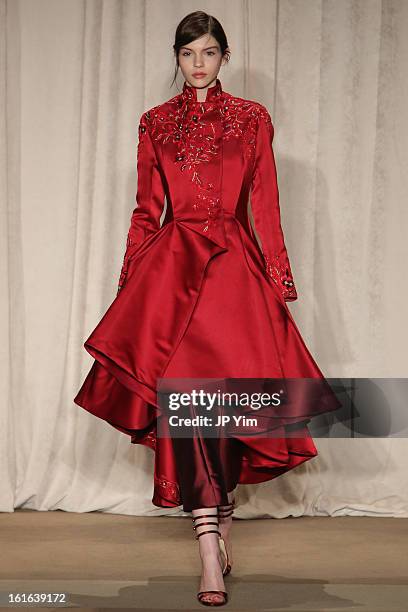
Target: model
198,297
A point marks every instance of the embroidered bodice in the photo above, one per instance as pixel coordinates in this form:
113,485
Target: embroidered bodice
207,159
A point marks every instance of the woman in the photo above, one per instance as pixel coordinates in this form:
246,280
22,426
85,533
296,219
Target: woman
198,297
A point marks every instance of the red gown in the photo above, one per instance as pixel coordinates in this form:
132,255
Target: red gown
197,296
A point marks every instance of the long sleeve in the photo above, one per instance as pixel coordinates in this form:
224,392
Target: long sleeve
266,211
145,219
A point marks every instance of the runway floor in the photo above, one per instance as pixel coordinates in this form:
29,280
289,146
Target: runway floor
113,561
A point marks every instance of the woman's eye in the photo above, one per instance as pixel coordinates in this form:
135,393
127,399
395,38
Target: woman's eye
187,53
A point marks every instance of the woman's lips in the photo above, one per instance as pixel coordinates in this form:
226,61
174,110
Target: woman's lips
199,75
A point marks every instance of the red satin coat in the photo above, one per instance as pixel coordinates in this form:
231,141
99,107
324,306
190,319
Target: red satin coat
197,296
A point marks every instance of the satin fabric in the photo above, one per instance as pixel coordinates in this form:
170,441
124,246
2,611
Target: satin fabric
198,297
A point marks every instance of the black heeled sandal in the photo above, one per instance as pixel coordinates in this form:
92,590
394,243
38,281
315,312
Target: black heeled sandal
202,594
224,512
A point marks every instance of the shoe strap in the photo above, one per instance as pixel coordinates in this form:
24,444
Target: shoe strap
202,594
197,525
203,516
208,531
224,511
205,523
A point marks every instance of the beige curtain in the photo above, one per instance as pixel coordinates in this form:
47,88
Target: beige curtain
75,77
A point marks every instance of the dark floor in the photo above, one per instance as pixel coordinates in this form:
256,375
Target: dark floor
107,561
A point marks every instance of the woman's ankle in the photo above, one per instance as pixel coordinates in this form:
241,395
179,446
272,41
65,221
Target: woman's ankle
225,513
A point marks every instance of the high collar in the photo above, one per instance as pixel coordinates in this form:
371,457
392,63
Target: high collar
213,93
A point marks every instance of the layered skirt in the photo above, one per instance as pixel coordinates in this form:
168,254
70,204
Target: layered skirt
231,323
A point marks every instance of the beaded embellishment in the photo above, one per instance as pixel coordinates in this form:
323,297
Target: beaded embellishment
169,490
184,121
278,270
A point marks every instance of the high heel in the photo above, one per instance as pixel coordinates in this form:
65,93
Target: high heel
224,512
204,594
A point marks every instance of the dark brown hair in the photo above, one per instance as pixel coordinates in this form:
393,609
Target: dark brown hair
193,26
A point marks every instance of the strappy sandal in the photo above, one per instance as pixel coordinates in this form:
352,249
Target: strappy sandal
204,594
225,512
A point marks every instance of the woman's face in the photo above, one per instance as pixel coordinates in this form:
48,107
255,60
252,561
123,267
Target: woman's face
200,61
